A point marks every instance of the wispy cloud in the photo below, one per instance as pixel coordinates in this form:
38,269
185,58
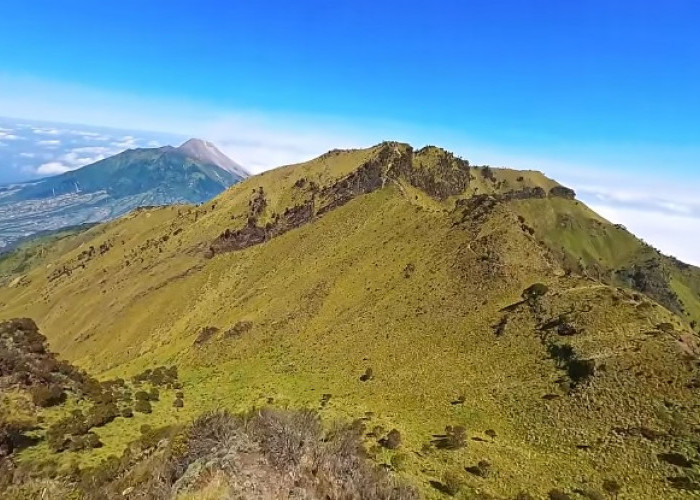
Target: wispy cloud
49,142
46,131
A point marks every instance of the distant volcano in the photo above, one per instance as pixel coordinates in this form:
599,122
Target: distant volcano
206,152
192,173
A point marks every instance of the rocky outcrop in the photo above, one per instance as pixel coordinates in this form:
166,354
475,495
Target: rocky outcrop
437,172
562,192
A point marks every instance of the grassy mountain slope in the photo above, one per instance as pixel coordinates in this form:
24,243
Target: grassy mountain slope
387,285
38,249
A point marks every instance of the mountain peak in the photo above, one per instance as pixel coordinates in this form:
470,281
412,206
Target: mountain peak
206,151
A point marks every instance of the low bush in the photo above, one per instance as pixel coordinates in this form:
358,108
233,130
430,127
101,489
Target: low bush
142,396
154,394
143,406
612,487
453,439
102,414
239,329
205,334
47,395
392,441
556,494
481,469
85,442
59,435
450,485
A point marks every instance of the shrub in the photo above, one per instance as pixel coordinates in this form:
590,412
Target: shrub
487,173
286,436
239,329
141,396
481,469
453,439
47,395
154,395
127,412
180,395
58,435
171,372
178,403
612,487
102,414
157,376
589,493
143,406
205,334
556,494
368,375
392,440
451,483
85,442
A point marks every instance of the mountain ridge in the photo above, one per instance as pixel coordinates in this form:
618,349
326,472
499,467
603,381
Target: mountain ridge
484,314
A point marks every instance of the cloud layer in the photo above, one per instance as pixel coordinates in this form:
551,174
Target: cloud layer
31,149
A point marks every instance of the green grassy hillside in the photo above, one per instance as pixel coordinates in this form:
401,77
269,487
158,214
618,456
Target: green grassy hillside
389,285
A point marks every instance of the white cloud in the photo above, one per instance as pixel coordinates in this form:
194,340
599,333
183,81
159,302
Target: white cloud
98,138
126,142
27,155
4,136
46,131
50,142
76,159
84,133
52,168
91,150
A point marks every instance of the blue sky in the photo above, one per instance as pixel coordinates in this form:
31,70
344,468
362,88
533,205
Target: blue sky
600,94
